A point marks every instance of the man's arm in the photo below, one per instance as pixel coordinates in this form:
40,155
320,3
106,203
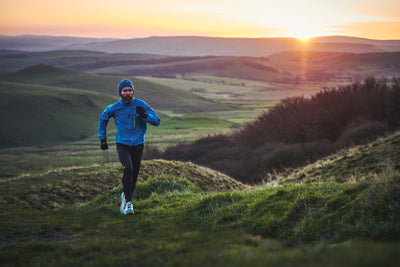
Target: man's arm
102,129
152,117
148,115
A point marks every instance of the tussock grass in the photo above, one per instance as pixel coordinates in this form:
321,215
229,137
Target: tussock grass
176,223
64,187
364,162
190,215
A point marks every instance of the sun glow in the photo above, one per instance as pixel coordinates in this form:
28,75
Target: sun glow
305,30
240,18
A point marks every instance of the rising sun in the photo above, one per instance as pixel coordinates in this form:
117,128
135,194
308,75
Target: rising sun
304,32
303,39
302,36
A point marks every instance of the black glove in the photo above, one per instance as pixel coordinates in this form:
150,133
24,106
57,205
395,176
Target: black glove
141,112
104,145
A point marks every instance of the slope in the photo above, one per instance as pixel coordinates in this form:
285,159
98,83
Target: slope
65,187
158,96
38,115
355,223
360,163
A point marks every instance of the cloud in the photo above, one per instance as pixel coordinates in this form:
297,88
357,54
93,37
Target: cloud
371,29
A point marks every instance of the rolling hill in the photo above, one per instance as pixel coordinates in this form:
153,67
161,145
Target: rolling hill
285,67
159,96
360,163
43,43
199,46
64,187
70,216
12,61
39,115
57,98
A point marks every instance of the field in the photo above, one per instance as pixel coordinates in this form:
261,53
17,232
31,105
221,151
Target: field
59,193
212,105
190,215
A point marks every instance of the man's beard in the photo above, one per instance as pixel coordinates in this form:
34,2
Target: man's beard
127,98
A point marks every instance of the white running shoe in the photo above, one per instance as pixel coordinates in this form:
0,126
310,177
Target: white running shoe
129,208
123,203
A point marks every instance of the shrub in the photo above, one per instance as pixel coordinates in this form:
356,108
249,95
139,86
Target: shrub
360,132
299,130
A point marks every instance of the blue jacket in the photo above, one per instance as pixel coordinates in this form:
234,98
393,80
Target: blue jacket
131,127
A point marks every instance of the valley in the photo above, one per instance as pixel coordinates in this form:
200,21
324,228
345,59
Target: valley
301,199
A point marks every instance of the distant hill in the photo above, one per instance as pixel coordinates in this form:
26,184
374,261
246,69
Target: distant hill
198,46
43,43
76,59
285,67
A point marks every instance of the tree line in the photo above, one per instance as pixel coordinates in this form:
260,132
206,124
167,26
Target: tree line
299,130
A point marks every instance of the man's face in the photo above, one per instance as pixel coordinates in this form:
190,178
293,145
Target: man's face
127,94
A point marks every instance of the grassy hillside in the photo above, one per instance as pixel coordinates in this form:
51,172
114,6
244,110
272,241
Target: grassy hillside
236,89
299,130
180,220
50,93
158,96
187,128
360,163
34,115
63,187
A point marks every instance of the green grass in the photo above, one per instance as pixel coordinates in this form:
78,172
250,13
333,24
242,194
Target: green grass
190,215
55,112
187,128
55,100
359,163
236,89
177,224
59,206
158,96
67,185
37,115
23,161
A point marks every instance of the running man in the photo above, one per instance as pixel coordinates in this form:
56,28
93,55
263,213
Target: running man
131,116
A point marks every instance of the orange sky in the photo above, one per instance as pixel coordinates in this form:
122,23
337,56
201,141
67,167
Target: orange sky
375,19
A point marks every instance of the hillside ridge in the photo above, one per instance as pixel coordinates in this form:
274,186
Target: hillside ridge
74,185
358,163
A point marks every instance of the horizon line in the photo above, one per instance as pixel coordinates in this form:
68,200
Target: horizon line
193,36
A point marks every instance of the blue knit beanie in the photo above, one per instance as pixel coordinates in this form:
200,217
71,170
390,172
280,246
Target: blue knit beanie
125,83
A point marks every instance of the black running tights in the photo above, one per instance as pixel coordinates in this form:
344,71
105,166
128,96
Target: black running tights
130,158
